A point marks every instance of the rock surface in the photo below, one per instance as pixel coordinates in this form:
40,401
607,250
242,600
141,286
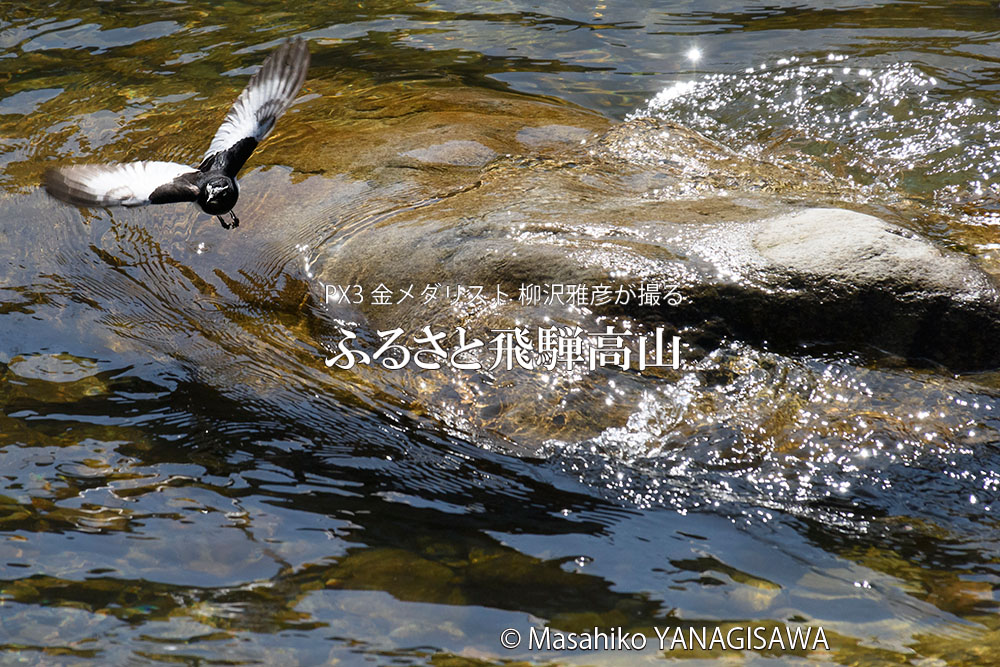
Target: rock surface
834,276
757,267
404,186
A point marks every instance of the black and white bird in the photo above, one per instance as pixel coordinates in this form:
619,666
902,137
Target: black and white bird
212,185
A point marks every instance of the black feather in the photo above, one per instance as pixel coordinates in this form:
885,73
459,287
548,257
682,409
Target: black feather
231,160
185,187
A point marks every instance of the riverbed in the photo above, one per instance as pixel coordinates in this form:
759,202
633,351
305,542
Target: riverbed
184,479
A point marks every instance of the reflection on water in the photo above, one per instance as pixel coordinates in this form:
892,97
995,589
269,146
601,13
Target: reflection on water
184,481
894,129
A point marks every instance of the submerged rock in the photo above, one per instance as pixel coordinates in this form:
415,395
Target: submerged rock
435,187
659,205
760,253
834,276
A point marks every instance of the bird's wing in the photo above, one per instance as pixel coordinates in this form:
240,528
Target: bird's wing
131,184
268,94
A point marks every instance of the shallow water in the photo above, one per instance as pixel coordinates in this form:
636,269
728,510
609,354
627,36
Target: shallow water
183,480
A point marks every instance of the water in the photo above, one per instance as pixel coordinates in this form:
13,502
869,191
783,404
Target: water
183,480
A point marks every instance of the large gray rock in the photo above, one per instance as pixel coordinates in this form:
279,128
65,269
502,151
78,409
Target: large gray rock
758,270
839,277
392,189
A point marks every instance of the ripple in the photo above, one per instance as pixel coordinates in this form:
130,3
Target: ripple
892,128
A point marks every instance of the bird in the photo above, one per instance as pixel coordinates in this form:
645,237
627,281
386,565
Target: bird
212,185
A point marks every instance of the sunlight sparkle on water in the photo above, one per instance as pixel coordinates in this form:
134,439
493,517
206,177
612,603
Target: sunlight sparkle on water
885,126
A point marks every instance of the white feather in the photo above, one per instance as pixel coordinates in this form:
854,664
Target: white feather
128,184
268,94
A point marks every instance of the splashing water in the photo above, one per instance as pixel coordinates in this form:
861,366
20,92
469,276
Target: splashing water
891,129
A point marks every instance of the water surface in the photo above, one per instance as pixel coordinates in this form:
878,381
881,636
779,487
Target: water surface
184,481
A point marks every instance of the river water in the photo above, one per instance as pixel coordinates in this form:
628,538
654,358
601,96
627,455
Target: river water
182,480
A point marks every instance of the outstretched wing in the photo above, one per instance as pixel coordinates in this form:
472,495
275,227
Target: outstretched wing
268,94
131,184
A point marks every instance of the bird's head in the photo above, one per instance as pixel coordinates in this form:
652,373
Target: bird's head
218,195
